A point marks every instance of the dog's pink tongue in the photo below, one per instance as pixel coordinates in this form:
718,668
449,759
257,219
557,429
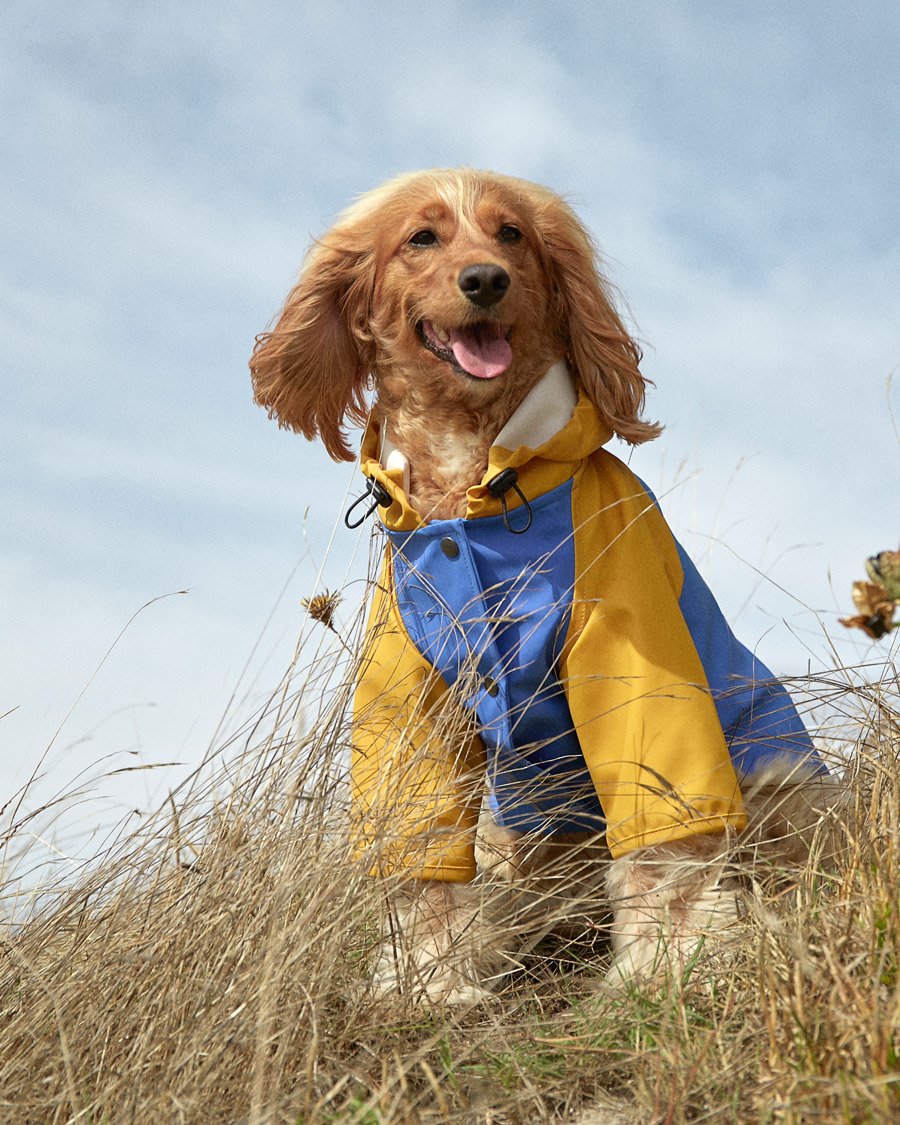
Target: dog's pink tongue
483,351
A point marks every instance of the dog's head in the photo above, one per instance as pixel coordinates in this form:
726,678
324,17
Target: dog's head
454,288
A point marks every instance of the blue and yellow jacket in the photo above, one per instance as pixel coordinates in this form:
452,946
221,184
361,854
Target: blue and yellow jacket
582,664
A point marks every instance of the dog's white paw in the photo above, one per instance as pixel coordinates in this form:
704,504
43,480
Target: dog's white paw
641,959
429,980
670,902
438,950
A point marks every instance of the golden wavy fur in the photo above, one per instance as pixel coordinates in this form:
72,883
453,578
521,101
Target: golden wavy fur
355,317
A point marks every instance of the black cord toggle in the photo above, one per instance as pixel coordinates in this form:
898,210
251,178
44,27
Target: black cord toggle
499,486
382,499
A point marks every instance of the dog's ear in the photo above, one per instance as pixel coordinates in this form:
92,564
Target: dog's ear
311,370
604,356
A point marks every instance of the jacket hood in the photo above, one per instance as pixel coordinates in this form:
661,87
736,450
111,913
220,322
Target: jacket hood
553,429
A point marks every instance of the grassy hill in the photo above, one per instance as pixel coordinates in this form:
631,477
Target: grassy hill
214,968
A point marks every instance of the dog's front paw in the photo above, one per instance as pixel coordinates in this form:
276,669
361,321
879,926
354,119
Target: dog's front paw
427,979
669,902
638,958
438,950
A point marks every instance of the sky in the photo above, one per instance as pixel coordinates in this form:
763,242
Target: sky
165,166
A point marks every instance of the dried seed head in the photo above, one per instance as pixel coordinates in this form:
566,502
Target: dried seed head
876,609
322,607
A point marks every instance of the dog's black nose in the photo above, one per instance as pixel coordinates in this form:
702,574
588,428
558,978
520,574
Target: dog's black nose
485,284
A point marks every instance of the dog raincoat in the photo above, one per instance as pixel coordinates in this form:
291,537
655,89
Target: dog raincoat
559,640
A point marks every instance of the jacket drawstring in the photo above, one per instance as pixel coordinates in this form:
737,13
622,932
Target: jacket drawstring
499,486
382,499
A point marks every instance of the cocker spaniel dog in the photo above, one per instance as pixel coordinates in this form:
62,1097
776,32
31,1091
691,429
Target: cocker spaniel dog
549,699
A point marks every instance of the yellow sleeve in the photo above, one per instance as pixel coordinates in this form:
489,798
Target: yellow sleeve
639,698
417,767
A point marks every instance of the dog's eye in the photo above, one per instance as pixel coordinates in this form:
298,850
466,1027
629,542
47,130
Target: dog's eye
509,234
423,238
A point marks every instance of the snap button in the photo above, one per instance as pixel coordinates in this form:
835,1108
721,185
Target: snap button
450,547
491,686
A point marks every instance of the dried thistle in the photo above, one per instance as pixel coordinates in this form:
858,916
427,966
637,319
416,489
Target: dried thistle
884,568
322,608
876,600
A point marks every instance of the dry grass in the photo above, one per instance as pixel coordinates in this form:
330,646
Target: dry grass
214,968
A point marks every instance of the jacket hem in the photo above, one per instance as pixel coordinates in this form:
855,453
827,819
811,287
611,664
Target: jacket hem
670,833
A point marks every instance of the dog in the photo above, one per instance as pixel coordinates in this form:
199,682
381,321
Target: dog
550,706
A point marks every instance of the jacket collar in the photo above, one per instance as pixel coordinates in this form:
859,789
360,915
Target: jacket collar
553,428
543,412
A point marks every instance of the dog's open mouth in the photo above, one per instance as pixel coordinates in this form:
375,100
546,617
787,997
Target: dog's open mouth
481,350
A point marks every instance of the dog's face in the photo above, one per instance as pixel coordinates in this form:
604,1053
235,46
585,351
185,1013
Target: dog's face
450,290
462,299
